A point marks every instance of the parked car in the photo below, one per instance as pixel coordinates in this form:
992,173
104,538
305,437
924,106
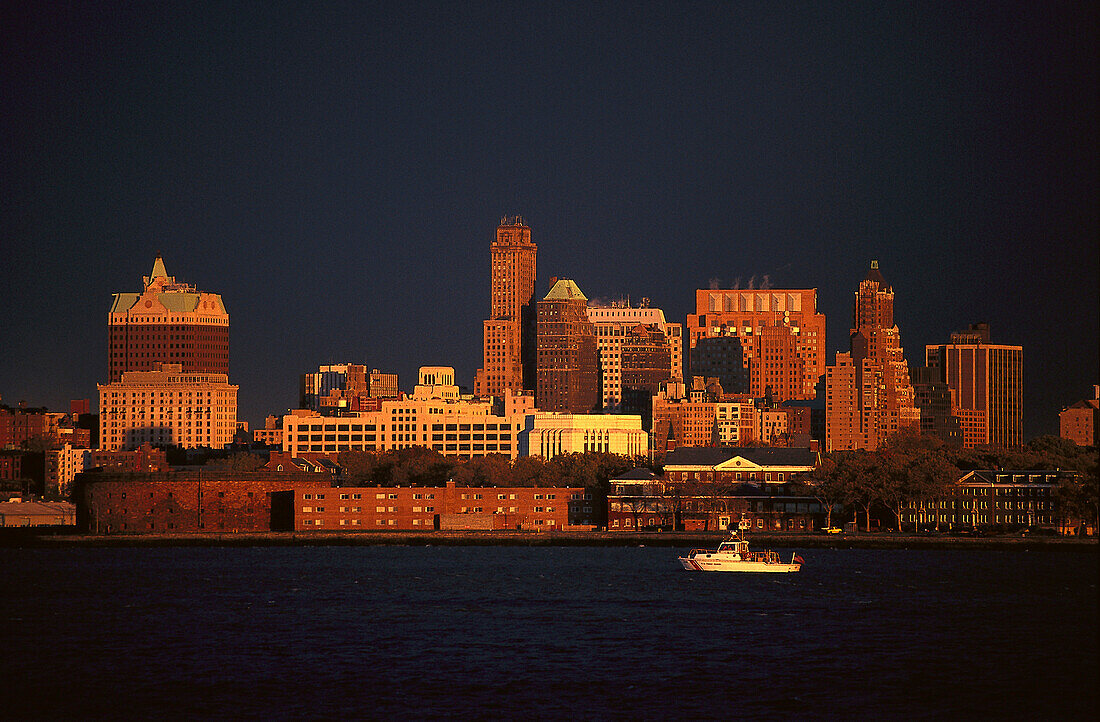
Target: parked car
832,530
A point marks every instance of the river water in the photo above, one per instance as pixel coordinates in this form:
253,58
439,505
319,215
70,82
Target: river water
543,633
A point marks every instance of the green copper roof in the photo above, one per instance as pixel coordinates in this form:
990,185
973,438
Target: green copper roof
123,302
565,290
158,268
178,302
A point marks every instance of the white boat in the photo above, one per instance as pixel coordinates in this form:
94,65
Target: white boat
733,555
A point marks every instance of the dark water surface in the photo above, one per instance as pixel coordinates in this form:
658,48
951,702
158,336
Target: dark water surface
543,633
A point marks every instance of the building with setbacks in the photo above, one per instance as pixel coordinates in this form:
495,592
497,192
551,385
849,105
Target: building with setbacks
508,360
567,369
868,393
167,322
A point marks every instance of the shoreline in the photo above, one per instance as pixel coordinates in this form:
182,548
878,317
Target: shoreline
23,537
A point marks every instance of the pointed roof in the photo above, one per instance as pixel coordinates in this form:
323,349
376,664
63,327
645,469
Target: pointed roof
873,274
760,456
565,290
158,268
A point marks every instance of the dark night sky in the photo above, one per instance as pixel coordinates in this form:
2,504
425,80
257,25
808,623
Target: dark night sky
337,171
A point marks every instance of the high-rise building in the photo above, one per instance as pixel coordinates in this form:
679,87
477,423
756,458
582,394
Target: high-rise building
986,381
868,394
638,350
508,361
567,376
780,340
167,406
168,322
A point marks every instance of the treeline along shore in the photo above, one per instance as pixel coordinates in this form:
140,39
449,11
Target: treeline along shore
41,538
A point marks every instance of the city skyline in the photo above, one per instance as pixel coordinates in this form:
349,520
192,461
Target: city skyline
339,188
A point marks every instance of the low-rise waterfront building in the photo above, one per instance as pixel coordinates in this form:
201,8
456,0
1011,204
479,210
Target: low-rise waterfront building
182,501
1001,500
37,513
438,508
641,501
730,465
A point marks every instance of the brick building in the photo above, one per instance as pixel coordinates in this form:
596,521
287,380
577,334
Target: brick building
567,375
768,465
780,339
705,496
508,361
638,349
345,387
996,499
429,508
167,322
20,425
986,381
868,393
183,501
144,458
1080,422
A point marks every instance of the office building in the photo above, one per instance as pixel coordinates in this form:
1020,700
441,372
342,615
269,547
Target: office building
777,333
167,322
508,362
638,349
567,375
167,407
868,393
986,381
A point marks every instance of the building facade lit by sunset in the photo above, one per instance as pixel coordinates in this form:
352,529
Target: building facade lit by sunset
868,393
779,333
508,341
167,407
567,369
434,417
1080,422
549,434
986,381
345,387
167,322
638,349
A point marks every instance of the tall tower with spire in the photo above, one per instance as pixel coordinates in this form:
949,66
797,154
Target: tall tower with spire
869,395
508,351
167,322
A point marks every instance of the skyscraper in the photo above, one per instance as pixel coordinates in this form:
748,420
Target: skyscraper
567,375
781,339
986,381
632,361
168,322
508,360
868,394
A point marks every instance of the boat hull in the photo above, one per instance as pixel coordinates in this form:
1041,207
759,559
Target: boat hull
711,563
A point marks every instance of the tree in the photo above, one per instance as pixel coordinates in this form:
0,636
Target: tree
242,461
930,478
828,488
359,466
856,478
1077,499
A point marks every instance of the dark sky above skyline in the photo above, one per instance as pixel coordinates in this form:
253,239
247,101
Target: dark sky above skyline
336,172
